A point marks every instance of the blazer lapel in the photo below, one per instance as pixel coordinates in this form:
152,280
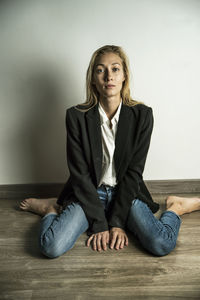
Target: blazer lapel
94,130
122,136
123,131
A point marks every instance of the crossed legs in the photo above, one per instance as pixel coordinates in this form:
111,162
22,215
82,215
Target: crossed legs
61,228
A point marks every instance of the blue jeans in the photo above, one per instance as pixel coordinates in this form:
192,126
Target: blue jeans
58,233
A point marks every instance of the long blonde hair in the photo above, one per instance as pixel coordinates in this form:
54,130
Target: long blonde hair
91,91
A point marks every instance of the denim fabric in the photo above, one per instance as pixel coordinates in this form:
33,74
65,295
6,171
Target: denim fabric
58,233
157,236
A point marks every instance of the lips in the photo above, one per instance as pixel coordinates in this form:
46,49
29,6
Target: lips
109,86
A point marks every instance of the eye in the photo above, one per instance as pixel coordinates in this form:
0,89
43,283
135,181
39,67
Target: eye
98,71
115,69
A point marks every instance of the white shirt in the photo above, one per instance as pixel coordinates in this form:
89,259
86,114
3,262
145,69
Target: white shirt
108,175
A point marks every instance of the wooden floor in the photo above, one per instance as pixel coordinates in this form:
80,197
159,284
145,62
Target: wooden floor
81,273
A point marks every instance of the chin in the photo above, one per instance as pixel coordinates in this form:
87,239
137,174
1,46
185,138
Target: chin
110,93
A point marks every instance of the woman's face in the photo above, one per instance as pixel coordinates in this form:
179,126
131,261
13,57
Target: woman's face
109,75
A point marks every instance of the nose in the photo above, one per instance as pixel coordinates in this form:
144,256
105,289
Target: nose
108,75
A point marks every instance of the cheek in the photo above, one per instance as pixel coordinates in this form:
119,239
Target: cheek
98,84
98,80
120,78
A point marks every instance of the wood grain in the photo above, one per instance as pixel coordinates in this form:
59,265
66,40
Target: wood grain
131,273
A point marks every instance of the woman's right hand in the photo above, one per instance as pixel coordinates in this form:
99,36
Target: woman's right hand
99,240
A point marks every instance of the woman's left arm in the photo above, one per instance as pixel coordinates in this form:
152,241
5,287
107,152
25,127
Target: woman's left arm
129,186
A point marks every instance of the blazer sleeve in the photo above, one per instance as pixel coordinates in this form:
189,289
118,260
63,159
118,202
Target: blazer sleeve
83,188
129,186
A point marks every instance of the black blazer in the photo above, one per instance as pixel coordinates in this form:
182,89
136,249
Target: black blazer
84,157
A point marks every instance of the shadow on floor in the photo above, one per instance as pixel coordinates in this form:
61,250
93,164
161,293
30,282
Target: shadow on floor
31,245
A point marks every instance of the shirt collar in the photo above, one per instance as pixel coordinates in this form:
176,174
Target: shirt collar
103,116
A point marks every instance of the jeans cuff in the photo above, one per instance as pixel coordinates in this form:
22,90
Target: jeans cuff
172,212
55,214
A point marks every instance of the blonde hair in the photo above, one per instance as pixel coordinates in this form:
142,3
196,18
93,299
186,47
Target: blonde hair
91,91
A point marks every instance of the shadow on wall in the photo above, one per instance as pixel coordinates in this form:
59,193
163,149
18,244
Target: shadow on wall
44,129
34,88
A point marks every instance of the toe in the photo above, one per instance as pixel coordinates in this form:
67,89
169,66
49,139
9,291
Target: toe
23,204
22,207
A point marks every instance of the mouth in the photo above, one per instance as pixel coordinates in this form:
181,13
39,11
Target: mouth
110,86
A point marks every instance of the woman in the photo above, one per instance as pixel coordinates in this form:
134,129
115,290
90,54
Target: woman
107,143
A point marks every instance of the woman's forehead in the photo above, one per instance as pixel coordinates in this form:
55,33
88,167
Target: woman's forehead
109,57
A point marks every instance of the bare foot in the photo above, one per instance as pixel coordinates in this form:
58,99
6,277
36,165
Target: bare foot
40,206
181,205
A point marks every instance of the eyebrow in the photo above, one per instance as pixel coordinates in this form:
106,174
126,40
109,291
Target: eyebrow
112,64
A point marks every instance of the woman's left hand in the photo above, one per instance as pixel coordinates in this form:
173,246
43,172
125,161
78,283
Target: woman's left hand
118,238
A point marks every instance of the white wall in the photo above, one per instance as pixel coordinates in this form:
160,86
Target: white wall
45,47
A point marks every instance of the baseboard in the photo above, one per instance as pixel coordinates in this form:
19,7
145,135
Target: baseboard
20,191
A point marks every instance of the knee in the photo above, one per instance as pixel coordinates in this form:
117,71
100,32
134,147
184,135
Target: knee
50,252
52,249
160,246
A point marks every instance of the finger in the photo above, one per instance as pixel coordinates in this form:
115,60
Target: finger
94,243
122,243
99,242
126,240
119,239
113,240
104,239
89,240
107,238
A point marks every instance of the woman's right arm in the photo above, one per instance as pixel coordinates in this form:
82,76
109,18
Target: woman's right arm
83,188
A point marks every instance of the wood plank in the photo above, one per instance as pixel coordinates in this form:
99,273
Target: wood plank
82,273
179,186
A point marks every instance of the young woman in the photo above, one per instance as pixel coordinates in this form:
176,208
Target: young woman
108,138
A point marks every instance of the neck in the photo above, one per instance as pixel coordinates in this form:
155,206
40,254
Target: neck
110,105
